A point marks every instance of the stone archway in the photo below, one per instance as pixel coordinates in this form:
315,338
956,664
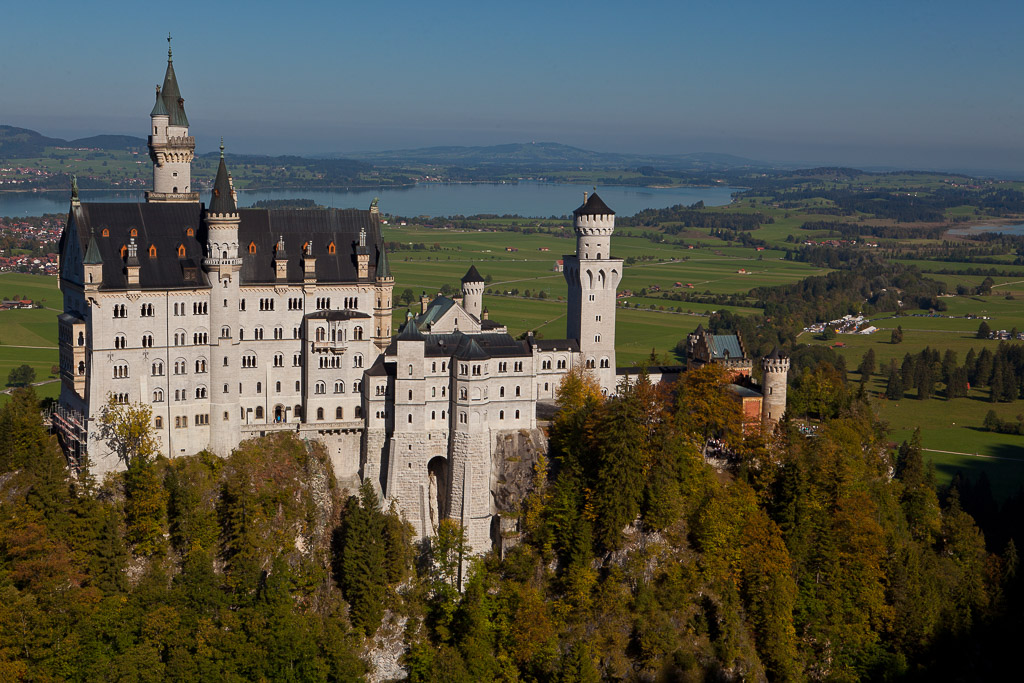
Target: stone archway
437,475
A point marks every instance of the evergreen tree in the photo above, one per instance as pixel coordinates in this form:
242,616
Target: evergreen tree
925,380
983,330
867,366
983,369
894,387
897,335
361,559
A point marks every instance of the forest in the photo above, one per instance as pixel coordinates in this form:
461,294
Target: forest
794,557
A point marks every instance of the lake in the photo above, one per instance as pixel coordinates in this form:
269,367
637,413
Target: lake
533,199
1017,229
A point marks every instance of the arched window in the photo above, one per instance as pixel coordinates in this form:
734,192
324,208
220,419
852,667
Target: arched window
517,391
410,418
106,232
501,392
252,247
319,413
321,388
152,251
357,333
158,422
181,251
124,251
338,413
517,414
357,361
330,248
259,387
134,232
339,387
259,412
158,395
501,414
190,232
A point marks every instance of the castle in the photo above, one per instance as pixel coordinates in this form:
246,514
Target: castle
232,323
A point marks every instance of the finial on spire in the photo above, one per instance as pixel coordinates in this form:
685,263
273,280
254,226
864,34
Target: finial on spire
74,189
221,146
168,46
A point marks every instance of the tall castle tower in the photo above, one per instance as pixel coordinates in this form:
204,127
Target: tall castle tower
170,146
773,405
473,292
223,266
593,277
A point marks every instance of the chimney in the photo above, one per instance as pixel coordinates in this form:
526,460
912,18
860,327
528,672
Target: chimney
132,264
424,302
486,315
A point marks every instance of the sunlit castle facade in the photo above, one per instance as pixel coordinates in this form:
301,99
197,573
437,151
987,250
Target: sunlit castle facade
232,323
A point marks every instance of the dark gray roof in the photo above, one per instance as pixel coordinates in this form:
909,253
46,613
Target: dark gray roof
435,310
745,392
594,206
380,368
92,252
262,229
557,344
468,346
173,101
775,354
383,269
410,331
163,226
221,200
159,109
490,325
651,369
472,275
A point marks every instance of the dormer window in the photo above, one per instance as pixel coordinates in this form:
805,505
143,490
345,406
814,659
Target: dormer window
106,232
152,251
190,232
330,248
134,233
181,251
305,248
124,251
252,247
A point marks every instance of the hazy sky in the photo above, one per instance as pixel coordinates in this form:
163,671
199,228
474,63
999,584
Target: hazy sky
917,83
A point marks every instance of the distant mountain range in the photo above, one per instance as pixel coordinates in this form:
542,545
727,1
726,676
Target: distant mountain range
555,155
24,143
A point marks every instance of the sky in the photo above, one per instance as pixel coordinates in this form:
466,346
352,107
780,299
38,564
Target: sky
929,84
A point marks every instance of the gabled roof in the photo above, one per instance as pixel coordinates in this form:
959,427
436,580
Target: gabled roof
594,206
725,346
435,310
472,275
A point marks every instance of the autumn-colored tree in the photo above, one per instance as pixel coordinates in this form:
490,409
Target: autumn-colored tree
127,430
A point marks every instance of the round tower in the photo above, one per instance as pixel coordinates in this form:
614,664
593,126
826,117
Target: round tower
594,224
473,293
170,146
773,404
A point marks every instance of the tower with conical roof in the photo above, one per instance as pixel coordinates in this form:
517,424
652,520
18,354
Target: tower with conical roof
224,268
170,146
593,277
473,293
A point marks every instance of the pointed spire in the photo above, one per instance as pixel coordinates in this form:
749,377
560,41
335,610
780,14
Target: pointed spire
472,275
173,101
92,252
74,191
223,200
383,269
159,109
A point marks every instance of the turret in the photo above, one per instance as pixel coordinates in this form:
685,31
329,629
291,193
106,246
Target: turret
593,277
773,403
222,220
170,146
385,287
473,293
92,264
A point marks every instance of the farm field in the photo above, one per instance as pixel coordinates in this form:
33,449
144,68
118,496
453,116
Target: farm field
29,336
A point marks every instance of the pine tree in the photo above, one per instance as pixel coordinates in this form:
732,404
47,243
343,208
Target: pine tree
983,368
361,559
894,388
983,330
867,366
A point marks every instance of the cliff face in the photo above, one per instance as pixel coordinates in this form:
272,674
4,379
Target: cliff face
513,460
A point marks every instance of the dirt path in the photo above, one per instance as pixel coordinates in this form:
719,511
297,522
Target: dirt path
975,455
